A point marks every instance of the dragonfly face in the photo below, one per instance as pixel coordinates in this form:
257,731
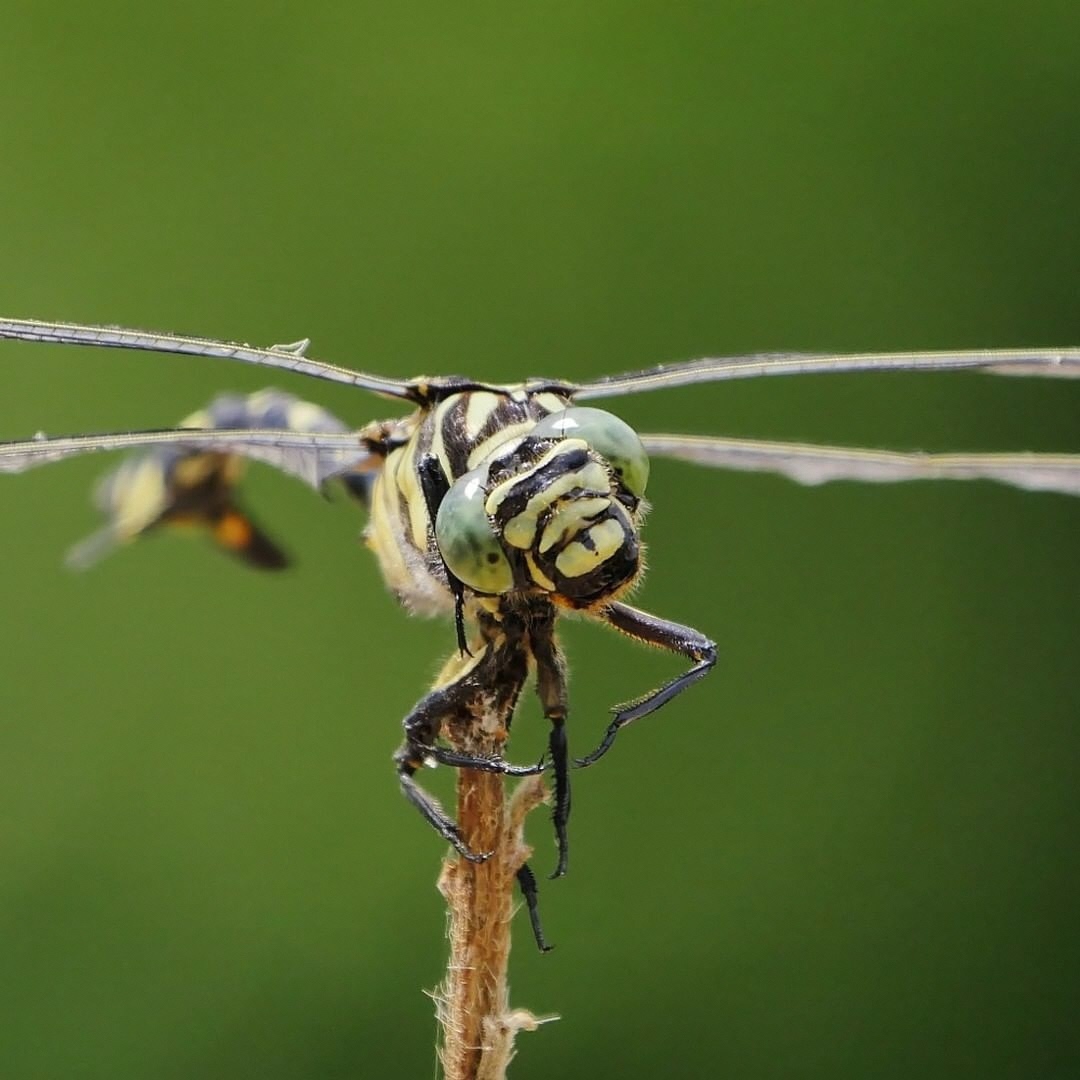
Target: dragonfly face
572,504
501,505
508,492
547,513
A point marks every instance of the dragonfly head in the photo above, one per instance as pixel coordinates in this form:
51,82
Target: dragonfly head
559,512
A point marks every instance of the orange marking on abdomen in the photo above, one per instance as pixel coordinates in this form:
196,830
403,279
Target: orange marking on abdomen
233,531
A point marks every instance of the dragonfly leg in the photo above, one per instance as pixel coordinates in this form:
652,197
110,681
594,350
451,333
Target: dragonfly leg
652,630
458,759
434,485
422,727
526,879
447,705
432,812
551,689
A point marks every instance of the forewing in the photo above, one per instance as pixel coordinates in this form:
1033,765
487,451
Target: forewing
311,457
1059,363
284,357
810,464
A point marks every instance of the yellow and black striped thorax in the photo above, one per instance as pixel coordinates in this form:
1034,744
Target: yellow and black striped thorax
533,496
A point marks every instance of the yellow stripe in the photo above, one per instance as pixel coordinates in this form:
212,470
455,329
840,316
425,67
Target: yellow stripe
520,531
501,437
570,519
499,493
576,560
438,443
478,410
383,530
551,402
413,497
537,574
458,666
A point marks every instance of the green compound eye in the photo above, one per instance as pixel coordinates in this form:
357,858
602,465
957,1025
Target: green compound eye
466,539
613,439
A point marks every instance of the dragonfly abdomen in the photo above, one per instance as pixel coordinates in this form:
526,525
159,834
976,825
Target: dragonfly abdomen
177,486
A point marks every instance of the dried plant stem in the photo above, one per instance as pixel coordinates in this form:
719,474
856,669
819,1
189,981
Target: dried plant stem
478,1025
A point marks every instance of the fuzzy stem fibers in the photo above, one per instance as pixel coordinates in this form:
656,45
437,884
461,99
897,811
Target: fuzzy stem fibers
478,1025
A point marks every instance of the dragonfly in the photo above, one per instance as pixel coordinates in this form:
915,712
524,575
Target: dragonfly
502,507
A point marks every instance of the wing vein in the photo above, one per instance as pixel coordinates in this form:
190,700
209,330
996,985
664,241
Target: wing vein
281,357
811,464
1057,363
313,457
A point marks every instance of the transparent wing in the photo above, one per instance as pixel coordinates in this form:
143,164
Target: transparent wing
285,357
1046,362
810,464
311,457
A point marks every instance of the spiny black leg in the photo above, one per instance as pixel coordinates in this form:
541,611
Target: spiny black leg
460,760
551,689
447,704
433,813
527,881
434,485
560,814
683,640
422,726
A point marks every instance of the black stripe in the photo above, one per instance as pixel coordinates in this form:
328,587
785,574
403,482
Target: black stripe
537,480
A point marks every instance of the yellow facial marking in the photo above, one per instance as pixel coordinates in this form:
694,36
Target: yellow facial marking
576,560
568,520
537,574
520,531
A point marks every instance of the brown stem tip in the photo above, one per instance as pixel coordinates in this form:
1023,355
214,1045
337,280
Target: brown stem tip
472,1004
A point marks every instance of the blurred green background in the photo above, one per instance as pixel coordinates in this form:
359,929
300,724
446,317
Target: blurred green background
853,852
